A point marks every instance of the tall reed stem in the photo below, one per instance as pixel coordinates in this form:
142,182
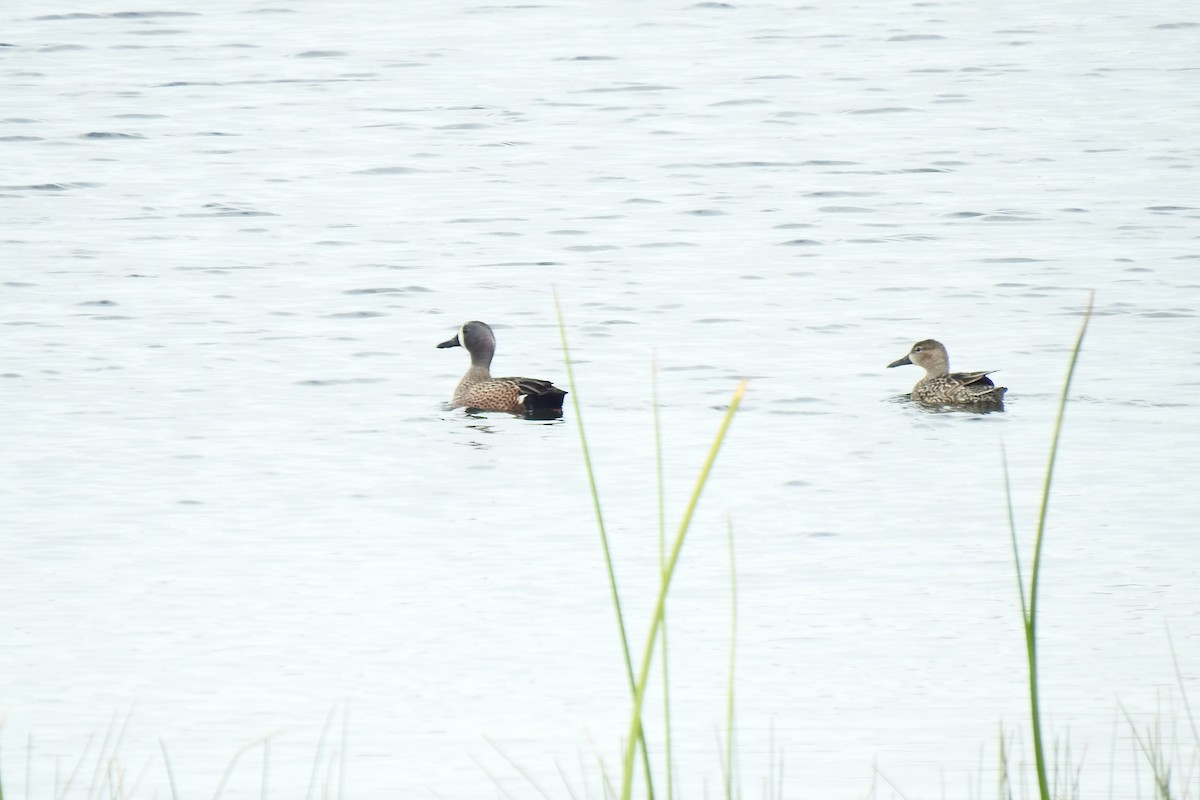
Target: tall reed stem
662,566
1029,612
733,630
635,725
612,575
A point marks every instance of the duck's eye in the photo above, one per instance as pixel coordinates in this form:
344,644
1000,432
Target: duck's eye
917,349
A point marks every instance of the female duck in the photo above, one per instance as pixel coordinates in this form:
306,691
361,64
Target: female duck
942,387
480,391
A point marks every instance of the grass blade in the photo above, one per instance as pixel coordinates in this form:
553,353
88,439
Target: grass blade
635,725
1030,614
612,575
732,663
312,778
241,751
170,772
662,565
524,773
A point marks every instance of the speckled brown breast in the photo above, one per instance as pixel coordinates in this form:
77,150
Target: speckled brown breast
491,395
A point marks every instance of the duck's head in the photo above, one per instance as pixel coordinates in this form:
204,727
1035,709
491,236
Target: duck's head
928,353
477,338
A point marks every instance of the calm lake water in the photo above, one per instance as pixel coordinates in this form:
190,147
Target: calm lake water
236,502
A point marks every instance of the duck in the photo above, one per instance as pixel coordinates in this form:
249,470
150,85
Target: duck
941,387
479,391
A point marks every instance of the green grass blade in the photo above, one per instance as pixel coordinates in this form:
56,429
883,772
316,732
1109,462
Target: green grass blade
345,751
1187,706
241,751
170,772
495,781
524,773
566,783
87,748
732,664
612,575
1035,575
1152,749
1005,789
635,724
1012,532
316,768
662,563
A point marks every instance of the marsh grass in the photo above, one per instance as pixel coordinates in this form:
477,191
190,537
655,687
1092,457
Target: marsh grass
1058,773
114,778
636,740
1029,600
660,491
1064,780
729,691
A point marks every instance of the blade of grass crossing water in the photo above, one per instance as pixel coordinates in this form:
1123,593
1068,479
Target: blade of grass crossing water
566,783
1152,748
635,724
1187,706
100,758
262,740
1030,613
1012,533
312,778
612,575
662,565
495,781
266,768
170,772
524,773
733,592
343,751
1005,788
87,748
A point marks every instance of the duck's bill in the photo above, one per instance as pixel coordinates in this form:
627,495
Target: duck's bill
451,342
899,362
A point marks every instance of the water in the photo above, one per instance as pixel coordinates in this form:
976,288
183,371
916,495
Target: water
236,502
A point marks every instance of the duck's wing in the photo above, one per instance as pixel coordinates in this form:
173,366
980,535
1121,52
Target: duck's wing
975,380
979,388
536,389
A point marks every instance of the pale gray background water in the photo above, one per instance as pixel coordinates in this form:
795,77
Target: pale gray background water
234,498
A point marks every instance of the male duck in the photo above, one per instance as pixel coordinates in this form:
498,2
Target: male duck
940,386
480,391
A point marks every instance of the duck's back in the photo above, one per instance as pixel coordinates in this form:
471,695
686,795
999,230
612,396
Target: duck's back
537,393
959,387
